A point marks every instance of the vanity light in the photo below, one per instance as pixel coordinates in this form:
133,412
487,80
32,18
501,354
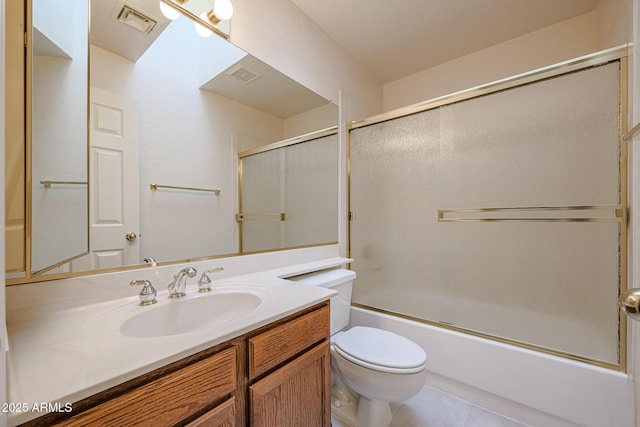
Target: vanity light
201,29
222,9
168,11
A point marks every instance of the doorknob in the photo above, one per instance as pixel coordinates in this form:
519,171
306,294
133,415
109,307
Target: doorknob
131,236
630,303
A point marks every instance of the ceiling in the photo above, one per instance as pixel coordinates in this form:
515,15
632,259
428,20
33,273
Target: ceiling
268,90
399,38
415,35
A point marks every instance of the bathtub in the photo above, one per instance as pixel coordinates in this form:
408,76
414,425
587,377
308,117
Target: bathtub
532,387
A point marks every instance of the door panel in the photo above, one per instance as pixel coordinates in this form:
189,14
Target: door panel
114,180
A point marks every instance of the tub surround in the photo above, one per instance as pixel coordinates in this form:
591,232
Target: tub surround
64,336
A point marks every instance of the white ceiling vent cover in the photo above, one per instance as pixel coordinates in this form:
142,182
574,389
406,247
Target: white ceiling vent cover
134,18
240,72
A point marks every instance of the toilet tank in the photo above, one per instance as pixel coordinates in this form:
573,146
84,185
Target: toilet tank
338,279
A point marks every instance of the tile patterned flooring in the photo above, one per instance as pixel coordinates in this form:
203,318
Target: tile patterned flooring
434,408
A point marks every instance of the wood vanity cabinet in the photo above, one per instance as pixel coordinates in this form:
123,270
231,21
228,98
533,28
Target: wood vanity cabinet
277,375
203,389
298,393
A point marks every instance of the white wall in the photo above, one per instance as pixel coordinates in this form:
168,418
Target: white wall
605,27
56,22
278,33
188,141
310,121
613,22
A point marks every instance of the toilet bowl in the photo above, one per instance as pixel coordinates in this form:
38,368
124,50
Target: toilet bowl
379,367
371,367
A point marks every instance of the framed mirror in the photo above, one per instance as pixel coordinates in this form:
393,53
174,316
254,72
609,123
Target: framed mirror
169,111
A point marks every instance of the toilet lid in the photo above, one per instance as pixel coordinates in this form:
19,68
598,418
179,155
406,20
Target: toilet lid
380,350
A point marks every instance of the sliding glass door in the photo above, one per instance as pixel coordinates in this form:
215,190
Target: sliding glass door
501,215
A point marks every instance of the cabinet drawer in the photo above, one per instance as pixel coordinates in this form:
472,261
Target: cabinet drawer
271,348
169,399
223,415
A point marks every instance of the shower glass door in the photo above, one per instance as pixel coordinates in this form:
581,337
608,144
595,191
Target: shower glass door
501,215
288,194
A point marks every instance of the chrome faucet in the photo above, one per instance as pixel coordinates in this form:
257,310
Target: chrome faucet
204,284
150,260
179,284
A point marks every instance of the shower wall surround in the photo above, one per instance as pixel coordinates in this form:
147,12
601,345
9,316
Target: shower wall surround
545,279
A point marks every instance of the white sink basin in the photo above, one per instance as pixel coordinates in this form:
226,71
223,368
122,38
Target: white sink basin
189,315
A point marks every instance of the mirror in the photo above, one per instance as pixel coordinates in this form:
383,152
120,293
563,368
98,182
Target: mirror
172,109
59,186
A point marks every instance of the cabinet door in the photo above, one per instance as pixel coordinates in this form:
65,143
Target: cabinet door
298,394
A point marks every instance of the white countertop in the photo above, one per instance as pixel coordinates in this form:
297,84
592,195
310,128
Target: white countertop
68,354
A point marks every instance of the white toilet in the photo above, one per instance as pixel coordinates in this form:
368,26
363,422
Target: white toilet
371,367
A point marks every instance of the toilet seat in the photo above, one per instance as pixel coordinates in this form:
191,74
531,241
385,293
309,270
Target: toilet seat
380,350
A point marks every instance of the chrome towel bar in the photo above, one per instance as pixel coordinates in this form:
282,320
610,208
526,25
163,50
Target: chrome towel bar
157,186
50,183
279,216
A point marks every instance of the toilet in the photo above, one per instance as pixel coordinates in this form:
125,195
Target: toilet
370,367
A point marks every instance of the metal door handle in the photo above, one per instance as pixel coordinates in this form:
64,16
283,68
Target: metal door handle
130,236
630,303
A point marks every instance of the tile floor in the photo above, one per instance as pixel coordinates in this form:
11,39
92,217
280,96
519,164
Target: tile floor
434,408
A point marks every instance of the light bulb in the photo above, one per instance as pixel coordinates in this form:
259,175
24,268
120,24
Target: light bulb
223,9
168,11
201,29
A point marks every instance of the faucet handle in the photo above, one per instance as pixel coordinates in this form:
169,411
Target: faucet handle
147,293
204,284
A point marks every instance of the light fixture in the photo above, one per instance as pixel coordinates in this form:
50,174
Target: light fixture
201,29
168,11
222,9
206,22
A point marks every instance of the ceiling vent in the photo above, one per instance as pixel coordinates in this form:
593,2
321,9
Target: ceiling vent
134,18
240,72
